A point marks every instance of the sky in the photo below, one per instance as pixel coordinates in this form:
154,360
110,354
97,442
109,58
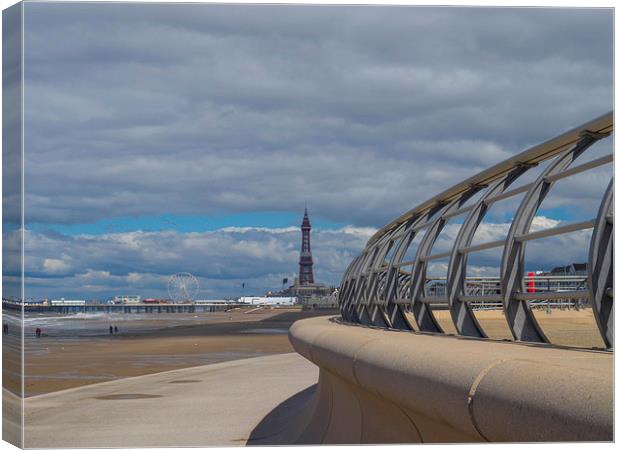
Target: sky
190,138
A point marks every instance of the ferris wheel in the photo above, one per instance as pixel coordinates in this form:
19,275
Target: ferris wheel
182,287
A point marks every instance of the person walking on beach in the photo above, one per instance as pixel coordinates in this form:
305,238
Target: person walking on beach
37,332
5,328
115,329
111,330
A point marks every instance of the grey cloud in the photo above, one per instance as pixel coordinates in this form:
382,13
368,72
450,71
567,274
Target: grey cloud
362,111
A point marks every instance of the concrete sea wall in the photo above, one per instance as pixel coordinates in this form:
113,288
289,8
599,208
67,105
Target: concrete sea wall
386,386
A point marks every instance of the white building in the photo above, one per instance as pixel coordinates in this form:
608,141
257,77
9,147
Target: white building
63,302
127,299
268,300
210,302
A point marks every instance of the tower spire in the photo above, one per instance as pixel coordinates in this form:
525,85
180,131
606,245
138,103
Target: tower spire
306,275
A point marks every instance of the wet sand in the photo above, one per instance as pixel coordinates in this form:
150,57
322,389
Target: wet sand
55,364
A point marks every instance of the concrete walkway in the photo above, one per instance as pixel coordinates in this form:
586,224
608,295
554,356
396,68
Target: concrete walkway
212,405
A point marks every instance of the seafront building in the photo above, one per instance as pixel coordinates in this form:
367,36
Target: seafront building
64,302
572,269
127,299
267,300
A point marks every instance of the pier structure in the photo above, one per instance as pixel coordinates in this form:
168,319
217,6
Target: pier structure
390,373
134,308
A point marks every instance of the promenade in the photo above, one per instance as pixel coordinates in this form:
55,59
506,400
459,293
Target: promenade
213,405
374,386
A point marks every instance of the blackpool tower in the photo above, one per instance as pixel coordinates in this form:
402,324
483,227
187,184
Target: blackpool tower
305,257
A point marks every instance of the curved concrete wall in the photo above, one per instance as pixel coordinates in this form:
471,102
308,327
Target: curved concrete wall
386,386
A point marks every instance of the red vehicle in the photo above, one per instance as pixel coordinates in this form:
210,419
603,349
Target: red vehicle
154,300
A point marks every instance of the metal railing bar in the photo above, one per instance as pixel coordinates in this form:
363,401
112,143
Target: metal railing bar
508,194
485,246
528,296
581,168
434,300
458,212
557,295
525,277
405,263
577,226
435,256
480,298
421,226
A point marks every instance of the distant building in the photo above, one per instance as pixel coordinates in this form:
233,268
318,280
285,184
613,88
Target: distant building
576,269
268,300
304,288
127,299
63,302
211,302
306,275
305,291
324,301
33,302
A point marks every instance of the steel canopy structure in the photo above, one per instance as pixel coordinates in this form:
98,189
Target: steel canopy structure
380,288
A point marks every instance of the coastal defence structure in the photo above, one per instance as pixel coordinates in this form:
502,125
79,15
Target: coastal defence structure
389,373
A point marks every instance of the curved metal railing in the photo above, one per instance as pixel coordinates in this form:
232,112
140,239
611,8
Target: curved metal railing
381,288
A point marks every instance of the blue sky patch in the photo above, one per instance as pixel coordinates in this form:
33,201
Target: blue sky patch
185,223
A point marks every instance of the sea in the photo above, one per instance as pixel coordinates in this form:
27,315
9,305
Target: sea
80,325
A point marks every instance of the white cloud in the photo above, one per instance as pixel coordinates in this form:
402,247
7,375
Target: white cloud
224,259
260,229
55,266
221,259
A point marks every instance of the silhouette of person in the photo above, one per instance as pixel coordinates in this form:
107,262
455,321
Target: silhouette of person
111,329
115,329
38,332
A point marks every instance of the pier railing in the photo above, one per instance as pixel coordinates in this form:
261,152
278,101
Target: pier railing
388,285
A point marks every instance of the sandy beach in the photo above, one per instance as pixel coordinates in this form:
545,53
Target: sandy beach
53,364
56,363
565,327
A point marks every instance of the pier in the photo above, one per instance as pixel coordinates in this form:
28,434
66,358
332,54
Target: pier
141,308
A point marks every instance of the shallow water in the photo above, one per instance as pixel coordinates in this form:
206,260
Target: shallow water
97,324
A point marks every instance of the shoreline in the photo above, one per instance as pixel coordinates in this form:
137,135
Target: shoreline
57,363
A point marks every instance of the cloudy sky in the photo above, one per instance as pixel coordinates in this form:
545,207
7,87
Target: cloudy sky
170,138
